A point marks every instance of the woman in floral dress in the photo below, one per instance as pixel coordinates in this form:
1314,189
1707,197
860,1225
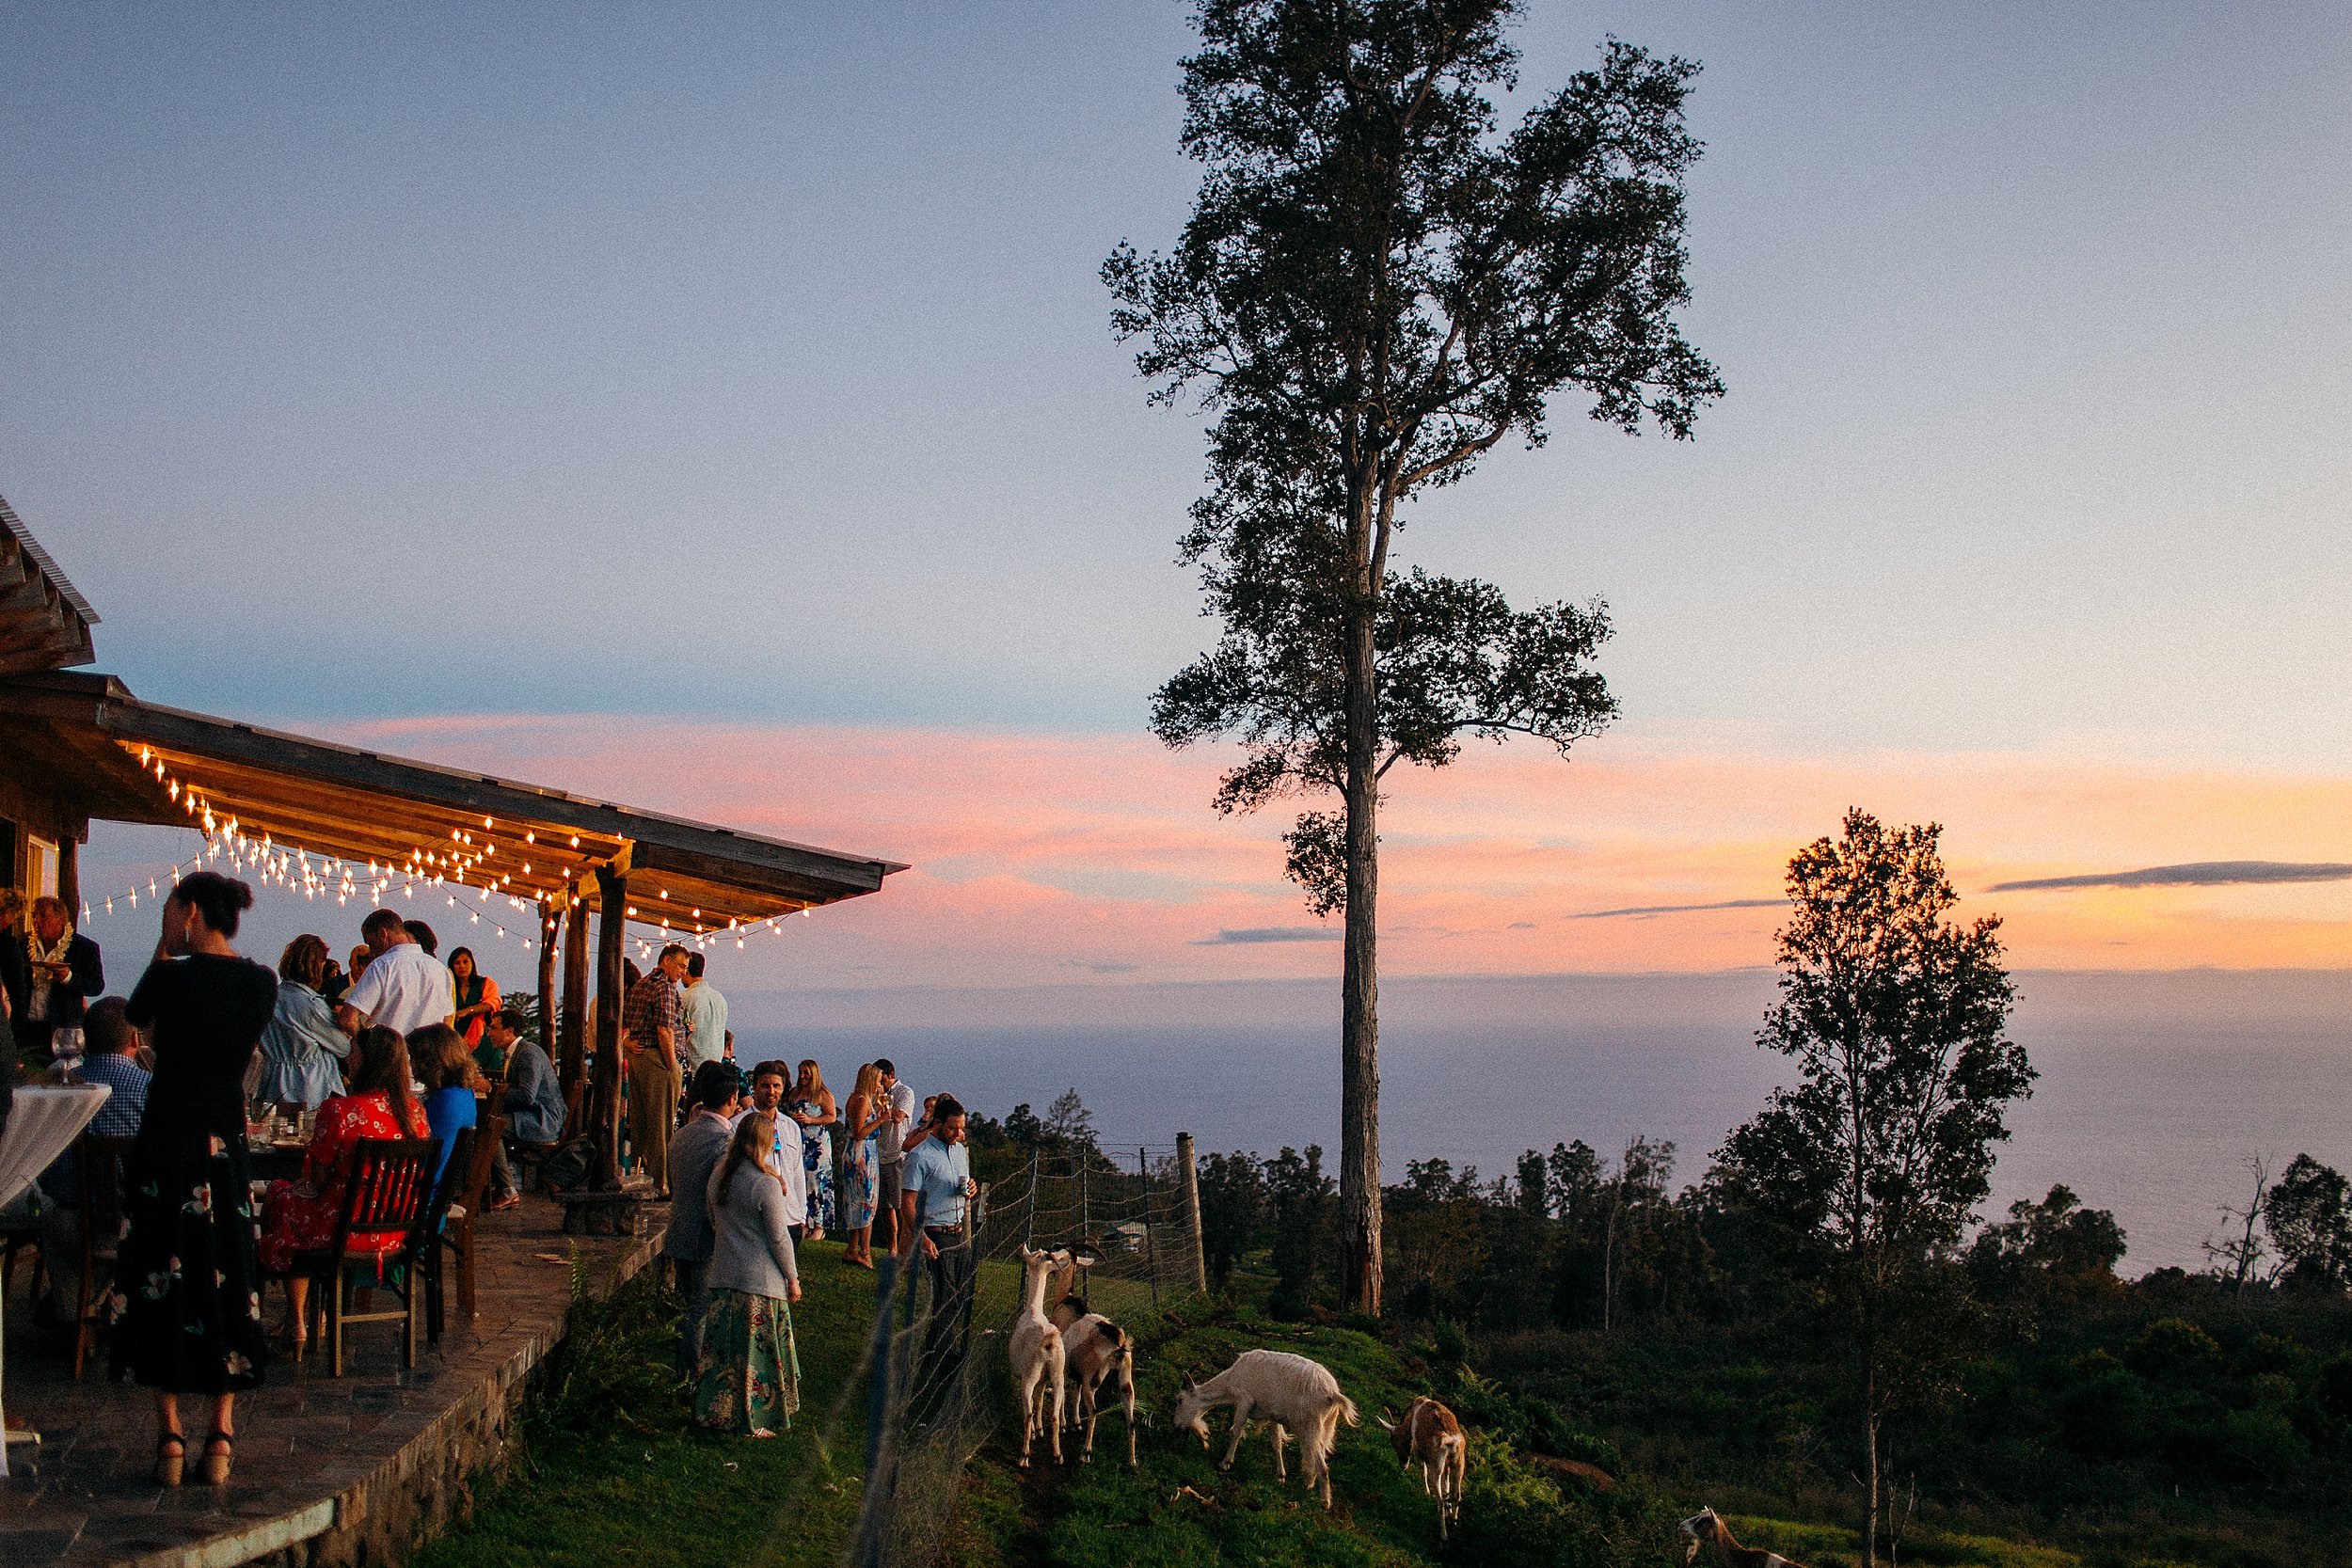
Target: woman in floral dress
747,1377
186,1305
301,1215
813,1108
861,1172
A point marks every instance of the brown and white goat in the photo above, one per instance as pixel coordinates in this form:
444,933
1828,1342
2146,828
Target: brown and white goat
1099,1352
1284,1391
1430,1435
1035,1348
1707,1529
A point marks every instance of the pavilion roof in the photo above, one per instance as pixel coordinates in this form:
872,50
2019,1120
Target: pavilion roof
396,823
44,621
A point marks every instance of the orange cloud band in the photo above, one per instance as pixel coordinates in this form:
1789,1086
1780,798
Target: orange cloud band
1041,858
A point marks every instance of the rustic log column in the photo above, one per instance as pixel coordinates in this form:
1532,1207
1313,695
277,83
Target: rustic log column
575,1057
69,877
611,924
546,977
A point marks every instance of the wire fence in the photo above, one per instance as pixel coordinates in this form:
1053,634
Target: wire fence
941,1388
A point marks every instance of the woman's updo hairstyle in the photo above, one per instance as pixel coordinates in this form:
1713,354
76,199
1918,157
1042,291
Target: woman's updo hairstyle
219,899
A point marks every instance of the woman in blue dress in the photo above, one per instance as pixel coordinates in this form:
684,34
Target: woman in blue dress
813,1107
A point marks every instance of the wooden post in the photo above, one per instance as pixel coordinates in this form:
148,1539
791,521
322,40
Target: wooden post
1151,1231
69,877
575,1057
1191,1179
546,977
611,924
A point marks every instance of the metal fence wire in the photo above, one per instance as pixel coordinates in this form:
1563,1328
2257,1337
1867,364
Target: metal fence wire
1134,1214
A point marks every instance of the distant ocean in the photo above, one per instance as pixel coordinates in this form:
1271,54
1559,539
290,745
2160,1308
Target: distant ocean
2154,1088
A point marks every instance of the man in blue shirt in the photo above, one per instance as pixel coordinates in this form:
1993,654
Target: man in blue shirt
935,1191
110,1056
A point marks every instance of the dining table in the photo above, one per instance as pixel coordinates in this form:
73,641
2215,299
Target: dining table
45,1121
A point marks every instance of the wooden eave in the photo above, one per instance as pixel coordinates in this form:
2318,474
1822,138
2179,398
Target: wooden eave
44,621
473,832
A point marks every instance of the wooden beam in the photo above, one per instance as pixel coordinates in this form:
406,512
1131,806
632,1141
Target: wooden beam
548,922
575,1058
611,925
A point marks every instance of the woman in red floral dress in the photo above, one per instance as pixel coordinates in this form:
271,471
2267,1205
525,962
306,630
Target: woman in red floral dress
301,1215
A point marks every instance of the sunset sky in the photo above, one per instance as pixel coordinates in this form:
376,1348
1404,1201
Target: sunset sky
716,410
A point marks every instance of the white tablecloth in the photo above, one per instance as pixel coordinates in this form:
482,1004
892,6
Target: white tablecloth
40,1129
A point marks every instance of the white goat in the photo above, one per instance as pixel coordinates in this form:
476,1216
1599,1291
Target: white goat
1429,1433
1284,1391
1099,1352
1035,1347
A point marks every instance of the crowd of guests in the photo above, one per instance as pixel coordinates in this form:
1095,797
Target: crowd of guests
401,1045
748,1163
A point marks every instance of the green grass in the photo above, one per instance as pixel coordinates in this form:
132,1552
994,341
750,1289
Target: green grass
615,1471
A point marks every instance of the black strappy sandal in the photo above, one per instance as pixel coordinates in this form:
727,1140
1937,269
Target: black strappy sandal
217,1465
169,1466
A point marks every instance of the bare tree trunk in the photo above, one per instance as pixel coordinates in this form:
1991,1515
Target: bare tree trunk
1360,986
1870,1463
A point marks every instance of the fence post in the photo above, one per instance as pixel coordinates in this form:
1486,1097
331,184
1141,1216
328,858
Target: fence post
1029,1235
1086,1219
1150,1233
1191,1190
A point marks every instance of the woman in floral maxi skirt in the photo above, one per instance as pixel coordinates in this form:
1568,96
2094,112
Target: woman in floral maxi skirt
188,1299
748,1376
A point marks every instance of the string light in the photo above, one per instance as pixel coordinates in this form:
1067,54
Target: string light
318,875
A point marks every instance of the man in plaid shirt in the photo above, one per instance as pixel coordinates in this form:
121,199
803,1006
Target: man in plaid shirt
653,1021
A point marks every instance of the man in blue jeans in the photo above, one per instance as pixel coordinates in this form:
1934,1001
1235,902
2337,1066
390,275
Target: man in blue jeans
937,1188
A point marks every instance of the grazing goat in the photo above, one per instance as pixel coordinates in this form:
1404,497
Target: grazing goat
1430,1435
1099,1352
1705,1528
1284,1391
1035,1348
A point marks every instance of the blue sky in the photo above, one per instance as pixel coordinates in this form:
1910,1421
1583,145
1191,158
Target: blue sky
751,362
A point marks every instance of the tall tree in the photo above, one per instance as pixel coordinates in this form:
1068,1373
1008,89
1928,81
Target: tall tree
1895,1016
1378,285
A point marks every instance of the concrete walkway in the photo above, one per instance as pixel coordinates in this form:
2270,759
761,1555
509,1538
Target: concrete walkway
329,1471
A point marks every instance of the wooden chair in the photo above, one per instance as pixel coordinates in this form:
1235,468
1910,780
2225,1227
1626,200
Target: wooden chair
97,1163
391,1189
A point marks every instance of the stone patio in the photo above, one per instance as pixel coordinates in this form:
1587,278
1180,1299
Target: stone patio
330,1471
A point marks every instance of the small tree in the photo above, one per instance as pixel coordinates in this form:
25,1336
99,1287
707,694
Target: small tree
1376,286
1298,1203
2054,1244
2237,1249
1233,1208
2309,1223
1875,1159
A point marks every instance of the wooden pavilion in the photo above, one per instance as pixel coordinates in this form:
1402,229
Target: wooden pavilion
365,828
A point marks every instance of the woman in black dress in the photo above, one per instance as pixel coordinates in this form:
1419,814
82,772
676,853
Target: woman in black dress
187,1300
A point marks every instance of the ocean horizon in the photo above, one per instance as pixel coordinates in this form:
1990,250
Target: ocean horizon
2155,1087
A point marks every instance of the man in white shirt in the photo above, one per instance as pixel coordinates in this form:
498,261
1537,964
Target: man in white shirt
769,1081
403,988
706,1018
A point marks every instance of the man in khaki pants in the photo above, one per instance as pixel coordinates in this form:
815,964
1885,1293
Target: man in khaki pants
653,1021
